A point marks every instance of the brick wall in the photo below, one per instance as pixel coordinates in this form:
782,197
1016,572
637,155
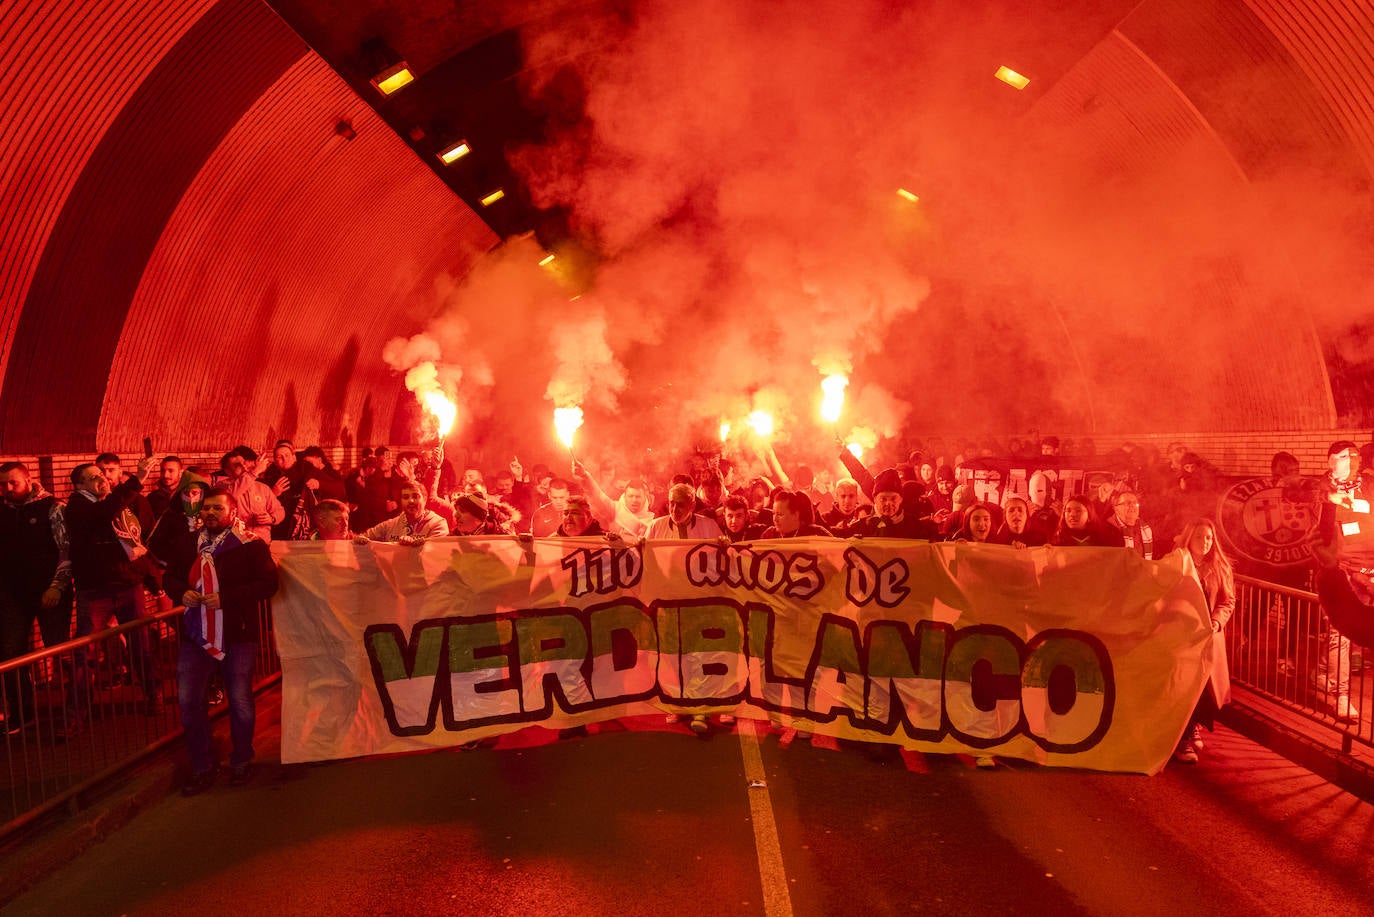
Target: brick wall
1239,453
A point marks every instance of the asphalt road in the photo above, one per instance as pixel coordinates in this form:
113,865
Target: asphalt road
659,822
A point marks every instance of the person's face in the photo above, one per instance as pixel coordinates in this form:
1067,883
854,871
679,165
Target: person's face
1344,464
314,461
680,507
980,524
635,499
1176,457
112,472
412,502
543,486
93,481
16,486
945,486
846,498
472,476
1039,489
386,462
558,498
1200,545
786,521
736,519
1016,515
504,483
1046,449
888,503
1128,509
1075,515
758,497
710,490
194,494
332,525
283,457
927,473
217,513
235,467
467,522
576,519
170,474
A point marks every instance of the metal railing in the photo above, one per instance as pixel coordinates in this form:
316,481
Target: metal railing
79,712
1281,646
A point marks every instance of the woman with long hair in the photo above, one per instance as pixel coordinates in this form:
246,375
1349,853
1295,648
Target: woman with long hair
1017,529
1080,526
1199,542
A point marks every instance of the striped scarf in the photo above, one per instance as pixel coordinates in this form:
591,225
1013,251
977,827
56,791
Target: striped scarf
1146,546
205,626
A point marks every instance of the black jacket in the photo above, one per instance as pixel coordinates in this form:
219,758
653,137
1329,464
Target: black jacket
247,577
99,560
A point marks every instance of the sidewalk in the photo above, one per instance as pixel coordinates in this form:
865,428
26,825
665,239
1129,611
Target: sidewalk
1315,745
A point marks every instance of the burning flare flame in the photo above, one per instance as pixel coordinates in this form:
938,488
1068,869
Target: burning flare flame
832,399
566,421
856,449
444,410
724,431
762,422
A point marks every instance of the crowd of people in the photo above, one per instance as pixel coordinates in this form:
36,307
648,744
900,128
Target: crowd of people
197,537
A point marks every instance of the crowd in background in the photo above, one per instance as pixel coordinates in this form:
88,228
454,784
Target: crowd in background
1138,499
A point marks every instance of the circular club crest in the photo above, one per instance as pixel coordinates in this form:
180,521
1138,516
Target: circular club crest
1269,524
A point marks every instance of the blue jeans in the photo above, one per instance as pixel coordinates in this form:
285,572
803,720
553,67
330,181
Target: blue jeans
194,668
94,609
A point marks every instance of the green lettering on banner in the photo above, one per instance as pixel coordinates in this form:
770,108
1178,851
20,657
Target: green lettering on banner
406,689
767,687
385,646
552,648
837,678
1066,690
982,685
624,652
479,665
910,668
713,664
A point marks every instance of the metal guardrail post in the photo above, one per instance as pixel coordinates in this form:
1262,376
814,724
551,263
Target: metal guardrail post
80,731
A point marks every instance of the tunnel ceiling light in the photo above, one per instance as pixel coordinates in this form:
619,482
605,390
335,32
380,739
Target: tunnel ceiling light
454,152
546,261
393,78
1012,78
907,195
493,197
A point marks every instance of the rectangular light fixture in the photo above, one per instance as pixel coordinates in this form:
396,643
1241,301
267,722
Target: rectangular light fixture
1012,78
907,195
393,78
454,152
493,197
546,260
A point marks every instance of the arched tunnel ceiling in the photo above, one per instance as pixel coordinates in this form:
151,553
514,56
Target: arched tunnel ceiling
1164,230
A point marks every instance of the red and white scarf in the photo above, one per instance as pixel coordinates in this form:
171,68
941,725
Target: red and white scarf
206,625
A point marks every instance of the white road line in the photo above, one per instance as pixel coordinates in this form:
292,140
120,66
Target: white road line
777,901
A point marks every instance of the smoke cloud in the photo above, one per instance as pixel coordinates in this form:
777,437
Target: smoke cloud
1071,264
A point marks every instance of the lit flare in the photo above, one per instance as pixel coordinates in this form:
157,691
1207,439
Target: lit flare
566,421
762,422
724,431
832,399
444,410
856,449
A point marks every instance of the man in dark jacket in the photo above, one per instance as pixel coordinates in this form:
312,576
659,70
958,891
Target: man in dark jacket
35,581
222,577
106,554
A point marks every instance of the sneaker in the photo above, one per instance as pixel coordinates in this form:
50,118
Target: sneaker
1320,684
1345,710
727,719
1186,753
671,719
198,783
240,775
699,725
1198,744
14,726
986,761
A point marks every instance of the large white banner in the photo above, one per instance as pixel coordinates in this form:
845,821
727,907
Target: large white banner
1084,657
